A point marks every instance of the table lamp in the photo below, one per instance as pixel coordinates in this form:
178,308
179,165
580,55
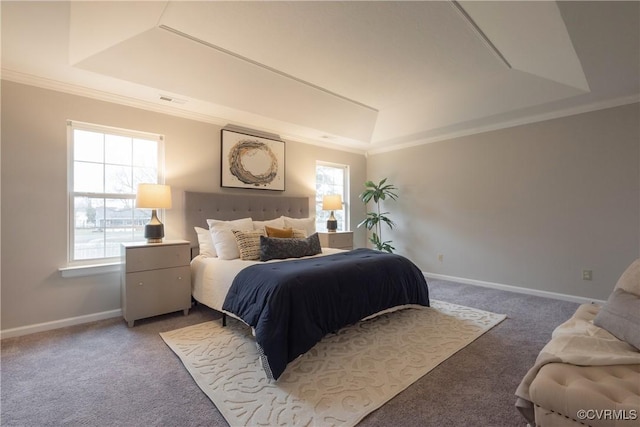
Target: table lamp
153,196
332,202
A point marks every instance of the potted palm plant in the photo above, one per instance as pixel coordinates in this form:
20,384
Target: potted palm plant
374,220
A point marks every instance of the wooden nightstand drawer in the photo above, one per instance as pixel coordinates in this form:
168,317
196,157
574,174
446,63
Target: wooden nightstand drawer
157,291
153,257
156,279
338,239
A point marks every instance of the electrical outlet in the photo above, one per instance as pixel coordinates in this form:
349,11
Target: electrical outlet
440,257
587,274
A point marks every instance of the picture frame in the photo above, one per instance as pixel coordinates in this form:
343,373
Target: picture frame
250,161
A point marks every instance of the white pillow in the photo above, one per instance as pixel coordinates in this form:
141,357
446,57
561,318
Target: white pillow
275,223
621,316
306,224
630,279
206,242
223,239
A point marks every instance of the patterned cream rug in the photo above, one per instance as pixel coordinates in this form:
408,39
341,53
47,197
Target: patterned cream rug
340,380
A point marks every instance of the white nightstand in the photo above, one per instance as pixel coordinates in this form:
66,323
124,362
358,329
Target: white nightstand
156,279
337,239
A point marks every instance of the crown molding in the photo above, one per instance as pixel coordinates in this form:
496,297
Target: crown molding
72,89
572,111
45,83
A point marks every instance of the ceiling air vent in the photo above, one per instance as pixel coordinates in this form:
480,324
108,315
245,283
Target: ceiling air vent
172,99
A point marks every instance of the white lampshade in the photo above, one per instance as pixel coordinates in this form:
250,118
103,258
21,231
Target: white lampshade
332,202
153,196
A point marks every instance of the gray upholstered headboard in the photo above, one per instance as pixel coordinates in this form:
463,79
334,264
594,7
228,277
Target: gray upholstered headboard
202,206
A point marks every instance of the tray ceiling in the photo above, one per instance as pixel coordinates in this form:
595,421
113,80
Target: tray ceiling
365,75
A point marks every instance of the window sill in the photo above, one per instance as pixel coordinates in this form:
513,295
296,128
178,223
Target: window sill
89,270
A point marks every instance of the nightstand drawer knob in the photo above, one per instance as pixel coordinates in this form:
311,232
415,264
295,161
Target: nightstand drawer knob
140,284
179,277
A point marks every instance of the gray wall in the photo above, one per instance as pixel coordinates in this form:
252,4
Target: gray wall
528,206
34,194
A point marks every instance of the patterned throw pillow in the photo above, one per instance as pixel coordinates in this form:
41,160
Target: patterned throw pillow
299,234
248,243
278,248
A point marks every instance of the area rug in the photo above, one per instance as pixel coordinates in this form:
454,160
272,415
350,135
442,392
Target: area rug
339,381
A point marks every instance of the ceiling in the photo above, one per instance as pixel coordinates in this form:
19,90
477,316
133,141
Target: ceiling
366,76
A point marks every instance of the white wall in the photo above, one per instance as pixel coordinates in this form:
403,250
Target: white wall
34,195
529,206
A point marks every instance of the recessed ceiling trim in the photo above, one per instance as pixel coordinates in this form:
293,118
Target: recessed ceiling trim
263,66
505,124
480,33
533,36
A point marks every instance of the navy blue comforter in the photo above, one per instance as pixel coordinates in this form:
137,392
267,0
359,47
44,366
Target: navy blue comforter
293,304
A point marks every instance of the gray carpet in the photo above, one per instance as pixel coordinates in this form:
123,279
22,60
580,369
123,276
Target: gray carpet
105,374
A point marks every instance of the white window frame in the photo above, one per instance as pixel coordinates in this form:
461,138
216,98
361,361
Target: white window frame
345,196
103,264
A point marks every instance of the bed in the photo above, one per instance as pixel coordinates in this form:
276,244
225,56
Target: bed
290,304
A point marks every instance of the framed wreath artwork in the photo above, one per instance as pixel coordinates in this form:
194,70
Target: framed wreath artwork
250,161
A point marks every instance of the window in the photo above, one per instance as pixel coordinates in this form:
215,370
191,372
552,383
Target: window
106,166
332,178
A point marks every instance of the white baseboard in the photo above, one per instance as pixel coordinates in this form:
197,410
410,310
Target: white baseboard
47,326
518,289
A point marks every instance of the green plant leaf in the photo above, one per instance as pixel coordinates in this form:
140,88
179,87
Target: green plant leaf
369,222
385,246
373,221
381,246
387,221
366,196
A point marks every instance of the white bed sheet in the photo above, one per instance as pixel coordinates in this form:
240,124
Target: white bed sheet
211,277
